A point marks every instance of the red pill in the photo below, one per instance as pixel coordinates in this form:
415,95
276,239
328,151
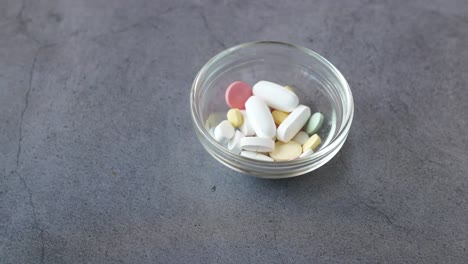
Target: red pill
237,94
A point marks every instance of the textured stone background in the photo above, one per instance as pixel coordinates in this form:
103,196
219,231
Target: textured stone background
99,163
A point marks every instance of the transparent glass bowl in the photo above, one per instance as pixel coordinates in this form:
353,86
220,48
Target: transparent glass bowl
316,81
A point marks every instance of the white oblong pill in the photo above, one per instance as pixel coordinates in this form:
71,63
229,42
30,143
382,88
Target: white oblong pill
301,137
256,156
224,131
260,117
307,153
276,96
257,144
246,127
234,143
293,123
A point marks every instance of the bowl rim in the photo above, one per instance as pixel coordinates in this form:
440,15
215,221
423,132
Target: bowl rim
337,140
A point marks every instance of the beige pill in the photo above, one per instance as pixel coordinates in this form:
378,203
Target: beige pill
312,143
279,116
286,151
234,116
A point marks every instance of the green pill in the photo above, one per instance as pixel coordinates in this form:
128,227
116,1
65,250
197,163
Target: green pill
314,124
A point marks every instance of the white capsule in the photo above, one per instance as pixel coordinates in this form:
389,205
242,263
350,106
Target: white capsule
276,96
260,117
234,143
301,137
293,123
223,132
256,156
257,144
246,127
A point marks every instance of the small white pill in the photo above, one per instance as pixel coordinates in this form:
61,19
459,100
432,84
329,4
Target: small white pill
257,144
293,123
301,137
234,143
276,96
246,127
256,156
260,117
223,132
307,153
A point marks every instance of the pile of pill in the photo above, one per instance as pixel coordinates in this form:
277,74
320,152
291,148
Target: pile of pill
266,122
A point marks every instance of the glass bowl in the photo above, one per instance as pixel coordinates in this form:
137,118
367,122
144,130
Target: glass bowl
316,81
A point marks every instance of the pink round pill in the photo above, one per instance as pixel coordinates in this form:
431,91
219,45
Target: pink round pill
237,94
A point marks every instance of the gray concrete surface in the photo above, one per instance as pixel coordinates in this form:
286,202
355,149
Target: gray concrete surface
99,163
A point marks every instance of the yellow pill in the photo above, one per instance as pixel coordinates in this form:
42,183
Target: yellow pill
289,88
311,143
286,151
279,116
234,116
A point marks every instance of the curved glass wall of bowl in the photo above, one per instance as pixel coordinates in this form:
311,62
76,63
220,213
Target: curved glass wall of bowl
317,83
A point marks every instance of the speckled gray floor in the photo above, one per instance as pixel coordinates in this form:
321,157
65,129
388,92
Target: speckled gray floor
99,163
